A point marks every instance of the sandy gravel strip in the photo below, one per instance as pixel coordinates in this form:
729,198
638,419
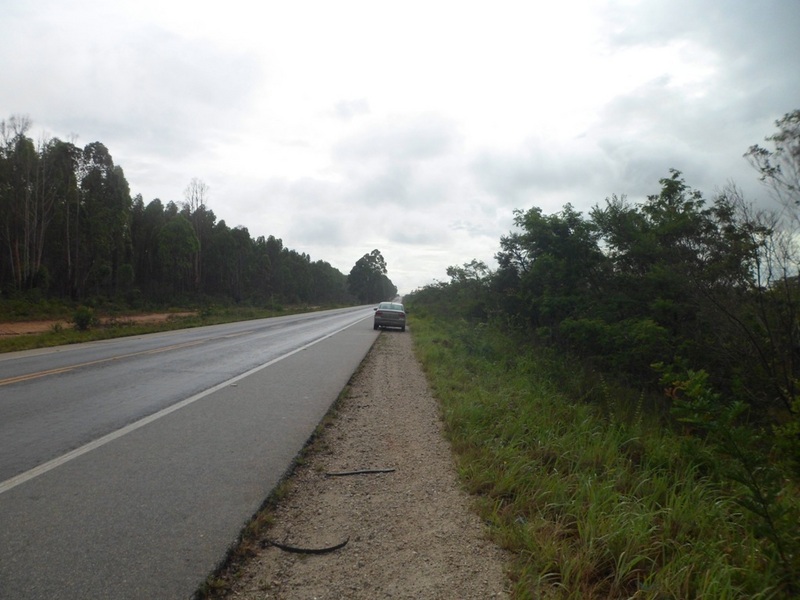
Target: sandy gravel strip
410,532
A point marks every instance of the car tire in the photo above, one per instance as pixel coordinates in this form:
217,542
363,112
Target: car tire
402,328
374,325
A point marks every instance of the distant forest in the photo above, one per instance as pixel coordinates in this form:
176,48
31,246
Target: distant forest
70,229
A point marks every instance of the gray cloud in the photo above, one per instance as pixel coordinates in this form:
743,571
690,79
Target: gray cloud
753,42
348,109
151,91
399,163
417,235
655,128
412,137
545,173
312,229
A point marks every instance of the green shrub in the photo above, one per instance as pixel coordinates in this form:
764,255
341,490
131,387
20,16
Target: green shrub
746,457
84,318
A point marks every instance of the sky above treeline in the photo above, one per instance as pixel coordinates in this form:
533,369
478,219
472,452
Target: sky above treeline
416,127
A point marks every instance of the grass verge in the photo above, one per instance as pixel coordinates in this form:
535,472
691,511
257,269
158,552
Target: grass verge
592,500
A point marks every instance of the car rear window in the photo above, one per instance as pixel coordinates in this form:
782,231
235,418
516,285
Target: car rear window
391,306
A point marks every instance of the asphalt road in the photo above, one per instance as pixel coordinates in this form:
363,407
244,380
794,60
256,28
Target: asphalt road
128,467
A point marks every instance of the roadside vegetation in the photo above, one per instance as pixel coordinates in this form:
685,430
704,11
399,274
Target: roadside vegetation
594,497
623,391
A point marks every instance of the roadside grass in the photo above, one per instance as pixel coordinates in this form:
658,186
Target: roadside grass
593,500
112,325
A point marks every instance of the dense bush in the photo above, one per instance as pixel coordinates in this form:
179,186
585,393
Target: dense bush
84,318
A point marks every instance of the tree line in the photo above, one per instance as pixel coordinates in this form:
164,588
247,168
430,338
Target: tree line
695,304
70,229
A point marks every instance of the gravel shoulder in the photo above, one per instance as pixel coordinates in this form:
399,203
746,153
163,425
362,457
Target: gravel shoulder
410,533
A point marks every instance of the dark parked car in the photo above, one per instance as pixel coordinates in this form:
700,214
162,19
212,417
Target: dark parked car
390,314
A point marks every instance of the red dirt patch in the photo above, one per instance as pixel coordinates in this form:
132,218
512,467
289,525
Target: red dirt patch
31,327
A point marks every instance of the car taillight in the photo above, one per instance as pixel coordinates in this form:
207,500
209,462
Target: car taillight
379,314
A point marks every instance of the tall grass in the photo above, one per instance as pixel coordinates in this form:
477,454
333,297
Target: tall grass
593,501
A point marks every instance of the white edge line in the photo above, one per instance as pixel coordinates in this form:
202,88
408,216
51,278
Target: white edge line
9,484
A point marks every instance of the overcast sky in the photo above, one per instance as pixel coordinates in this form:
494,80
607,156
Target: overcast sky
412,127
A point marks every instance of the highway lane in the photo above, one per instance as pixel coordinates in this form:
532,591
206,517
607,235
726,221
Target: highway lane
54,400
151,511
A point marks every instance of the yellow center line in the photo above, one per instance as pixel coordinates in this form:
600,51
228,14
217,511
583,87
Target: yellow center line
49,372
29,376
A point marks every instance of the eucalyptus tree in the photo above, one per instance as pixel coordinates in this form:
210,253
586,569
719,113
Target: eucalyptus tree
367,280
295,276
177,246
17,202
146,224
217,267
261,270
196,210
241,264
61,160
104,222
329,284
37,187
274,249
